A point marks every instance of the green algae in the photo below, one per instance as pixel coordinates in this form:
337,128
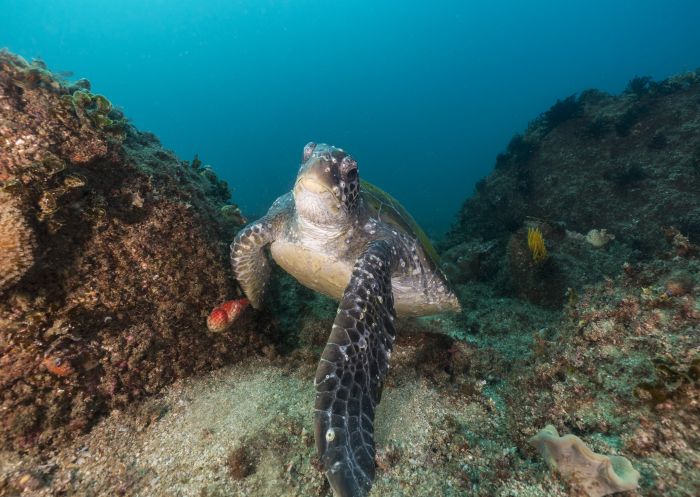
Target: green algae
97,109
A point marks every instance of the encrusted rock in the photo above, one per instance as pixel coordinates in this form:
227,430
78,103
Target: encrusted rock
17,242
111,253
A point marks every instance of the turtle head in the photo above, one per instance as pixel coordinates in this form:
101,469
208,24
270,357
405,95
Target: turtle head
327,188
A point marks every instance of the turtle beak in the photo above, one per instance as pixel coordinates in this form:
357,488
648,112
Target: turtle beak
307,188
315,176
314,192
310,184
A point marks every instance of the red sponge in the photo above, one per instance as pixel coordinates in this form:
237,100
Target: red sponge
223,316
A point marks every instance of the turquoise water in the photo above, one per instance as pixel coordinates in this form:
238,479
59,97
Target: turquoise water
424,94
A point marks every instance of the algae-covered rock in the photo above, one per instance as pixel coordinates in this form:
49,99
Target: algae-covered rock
112,253
626,163
17,242
607,185
616,172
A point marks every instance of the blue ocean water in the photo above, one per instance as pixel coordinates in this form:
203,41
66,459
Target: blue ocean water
423,94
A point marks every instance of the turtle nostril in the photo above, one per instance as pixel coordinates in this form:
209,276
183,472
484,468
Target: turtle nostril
348,166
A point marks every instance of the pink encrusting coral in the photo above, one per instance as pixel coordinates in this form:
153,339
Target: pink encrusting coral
223,316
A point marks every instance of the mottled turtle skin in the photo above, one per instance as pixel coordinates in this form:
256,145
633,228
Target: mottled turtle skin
351,241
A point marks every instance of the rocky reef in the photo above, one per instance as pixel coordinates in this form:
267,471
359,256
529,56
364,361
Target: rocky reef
618,368
591,215
576,263
628,163
600,175
112,252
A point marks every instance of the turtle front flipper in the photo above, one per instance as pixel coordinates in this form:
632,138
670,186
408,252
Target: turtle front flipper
351,373
249,260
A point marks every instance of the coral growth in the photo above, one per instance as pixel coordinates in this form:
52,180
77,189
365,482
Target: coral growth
597,169
535,242
562,111
113,251
619,367
532,273
31,137
17,242
599,238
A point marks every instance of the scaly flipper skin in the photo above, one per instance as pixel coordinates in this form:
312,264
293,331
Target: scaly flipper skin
351,374
248,256
249,260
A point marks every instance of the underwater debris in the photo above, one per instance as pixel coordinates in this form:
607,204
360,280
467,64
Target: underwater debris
595,474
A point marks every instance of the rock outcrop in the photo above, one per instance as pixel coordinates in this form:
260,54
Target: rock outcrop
592,215
113,252
613,171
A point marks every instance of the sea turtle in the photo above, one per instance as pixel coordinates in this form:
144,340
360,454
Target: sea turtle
349,240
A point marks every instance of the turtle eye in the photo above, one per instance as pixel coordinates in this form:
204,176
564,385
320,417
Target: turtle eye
308,150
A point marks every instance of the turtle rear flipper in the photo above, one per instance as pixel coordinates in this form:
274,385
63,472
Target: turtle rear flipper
351,373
